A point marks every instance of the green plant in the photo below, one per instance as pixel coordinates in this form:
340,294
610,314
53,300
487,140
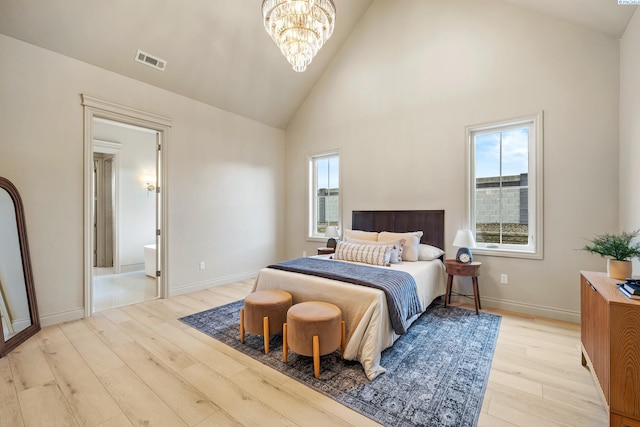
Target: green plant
617,246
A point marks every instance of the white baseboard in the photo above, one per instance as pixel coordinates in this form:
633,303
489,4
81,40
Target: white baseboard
131,267
211,283
78,313
531,309
65,316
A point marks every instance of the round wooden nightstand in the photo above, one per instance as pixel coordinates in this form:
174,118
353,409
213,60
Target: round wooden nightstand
325,251
455,268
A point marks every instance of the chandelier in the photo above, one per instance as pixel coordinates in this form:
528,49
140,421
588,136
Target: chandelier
299,27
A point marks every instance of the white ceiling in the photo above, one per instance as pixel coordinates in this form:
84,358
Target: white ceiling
217,51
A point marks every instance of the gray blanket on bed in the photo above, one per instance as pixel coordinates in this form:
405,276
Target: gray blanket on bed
398,286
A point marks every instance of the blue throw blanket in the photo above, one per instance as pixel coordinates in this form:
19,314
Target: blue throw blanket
398,286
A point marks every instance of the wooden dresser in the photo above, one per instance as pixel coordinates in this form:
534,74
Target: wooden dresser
610,324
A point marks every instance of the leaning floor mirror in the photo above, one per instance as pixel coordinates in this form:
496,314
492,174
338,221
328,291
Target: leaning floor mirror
17,293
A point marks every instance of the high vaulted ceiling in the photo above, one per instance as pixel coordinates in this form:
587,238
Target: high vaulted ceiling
217,51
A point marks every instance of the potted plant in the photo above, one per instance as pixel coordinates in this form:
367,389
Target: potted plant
619,248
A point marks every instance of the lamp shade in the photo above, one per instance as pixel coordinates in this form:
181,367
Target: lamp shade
464,239
331,231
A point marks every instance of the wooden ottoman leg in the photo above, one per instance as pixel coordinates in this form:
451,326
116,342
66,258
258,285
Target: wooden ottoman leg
343,339
265,327
285,352
316,356
242,325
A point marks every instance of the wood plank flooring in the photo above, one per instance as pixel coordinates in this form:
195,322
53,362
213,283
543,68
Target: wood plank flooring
139,365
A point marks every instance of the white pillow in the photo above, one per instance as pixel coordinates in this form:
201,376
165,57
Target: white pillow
410,247
361,235
369,254
428,252
396,251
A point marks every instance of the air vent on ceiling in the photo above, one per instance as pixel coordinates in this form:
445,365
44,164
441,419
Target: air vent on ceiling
150,60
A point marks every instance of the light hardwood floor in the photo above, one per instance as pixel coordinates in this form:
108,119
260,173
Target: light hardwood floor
117,290
139,365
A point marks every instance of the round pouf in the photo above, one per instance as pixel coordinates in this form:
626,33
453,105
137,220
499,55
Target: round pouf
313,328
264,313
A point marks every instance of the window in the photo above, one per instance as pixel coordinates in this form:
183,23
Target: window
324,192
505,187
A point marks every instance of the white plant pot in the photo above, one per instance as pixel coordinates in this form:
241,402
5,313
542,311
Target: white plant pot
619,269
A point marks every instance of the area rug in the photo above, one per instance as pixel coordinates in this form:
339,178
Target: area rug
436,373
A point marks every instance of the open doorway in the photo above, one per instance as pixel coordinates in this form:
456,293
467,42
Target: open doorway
125,242
124,214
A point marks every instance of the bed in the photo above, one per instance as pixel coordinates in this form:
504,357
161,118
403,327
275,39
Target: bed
369,328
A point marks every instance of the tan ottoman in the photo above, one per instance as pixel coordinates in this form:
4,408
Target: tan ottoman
264,313
313,328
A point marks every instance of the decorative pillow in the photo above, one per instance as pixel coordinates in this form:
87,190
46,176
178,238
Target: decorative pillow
410,247
361,235
428,252
369,254
396,251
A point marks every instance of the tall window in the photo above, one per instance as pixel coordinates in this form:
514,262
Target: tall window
324,192
505,188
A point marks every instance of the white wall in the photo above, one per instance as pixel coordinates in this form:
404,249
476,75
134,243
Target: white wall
225,176
137,206
397,99
630,128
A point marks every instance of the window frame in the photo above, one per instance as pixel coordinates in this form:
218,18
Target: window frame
535,186
312,196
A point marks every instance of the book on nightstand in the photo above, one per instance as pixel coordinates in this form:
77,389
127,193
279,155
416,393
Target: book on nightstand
627,294
631,288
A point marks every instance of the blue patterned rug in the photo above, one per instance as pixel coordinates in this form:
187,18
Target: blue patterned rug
436,373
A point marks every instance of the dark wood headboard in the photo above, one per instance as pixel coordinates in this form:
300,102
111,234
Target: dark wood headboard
430,222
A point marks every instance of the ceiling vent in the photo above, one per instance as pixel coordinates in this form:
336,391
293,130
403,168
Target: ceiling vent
150,60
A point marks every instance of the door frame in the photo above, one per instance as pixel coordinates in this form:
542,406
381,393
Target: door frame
114,149
94,107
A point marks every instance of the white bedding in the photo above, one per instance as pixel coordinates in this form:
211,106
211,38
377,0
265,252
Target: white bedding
364,309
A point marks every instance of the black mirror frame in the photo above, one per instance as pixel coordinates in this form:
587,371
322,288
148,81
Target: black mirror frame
22,336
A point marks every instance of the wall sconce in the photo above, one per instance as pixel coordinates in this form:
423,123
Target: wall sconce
149,183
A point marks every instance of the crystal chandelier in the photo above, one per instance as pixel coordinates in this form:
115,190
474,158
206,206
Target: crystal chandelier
299,27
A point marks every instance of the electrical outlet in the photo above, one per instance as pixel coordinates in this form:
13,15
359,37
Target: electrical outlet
304,254
202,265
504,279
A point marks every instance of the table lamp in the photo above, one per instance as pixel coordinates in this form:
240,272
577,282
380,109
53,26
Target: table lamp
464,240
331,232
